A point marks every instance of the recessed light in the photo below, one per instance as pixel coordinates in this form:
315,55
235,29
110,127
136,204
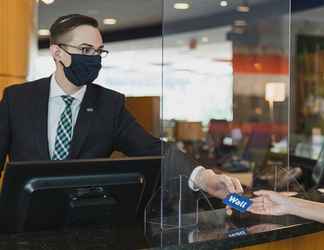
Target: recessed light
181,6
48,1
43,32
110,21
223,3
205,39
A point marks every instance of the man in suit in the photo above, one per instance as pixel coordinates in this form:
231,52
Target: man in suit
65,116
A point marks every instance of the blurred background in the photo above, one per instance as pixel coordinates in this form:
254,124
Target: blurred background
237,84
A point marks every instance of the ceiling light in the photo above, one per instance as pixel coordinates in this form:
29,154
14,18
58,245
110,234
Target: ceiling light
204,39
48,1
110,21
223,3
43,32
181,6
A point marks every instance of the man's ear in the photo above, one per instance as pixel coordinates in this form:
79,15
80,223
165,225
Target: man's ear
56,52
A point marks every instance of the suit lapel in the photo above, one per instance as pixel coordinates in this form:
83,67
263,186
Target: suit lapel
41,118
83,123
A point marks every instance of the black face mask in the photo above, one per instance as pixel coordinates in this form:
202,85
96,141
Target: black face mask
83,69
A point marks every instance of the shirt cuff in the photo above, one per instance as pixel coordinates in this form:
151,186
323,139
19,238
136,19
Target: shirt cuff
192,182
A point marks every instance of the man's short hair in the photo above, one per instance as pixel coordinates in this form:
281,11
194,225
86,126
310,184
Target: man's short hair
65,24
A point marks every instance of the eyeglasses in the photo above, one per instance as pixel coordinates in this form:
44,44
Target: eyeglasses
87,50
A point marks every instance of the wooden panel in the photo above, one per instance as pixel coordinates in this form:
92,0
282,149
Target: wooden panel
312,241
188,131
7,81
146,110
16,22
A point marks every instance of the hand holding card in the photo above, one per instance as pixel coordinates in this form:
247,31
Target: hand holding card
237,202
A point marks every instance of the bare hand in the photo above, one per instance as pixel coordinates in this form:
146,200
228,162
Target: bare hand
270,203
219,185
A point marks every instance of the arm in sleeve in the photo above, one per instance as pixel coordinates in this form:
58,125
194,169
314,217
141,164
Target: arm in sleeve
131,139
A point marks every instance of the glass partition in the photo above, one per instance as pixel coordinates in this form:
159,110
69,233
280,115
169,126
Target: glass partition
226,86
225,90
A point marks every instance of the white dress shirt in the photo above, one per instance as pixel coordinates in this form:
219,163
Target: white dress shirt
56,106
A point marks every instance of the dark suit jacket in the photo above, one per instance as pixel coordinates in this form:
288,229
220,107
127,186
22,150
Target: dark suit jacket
103,125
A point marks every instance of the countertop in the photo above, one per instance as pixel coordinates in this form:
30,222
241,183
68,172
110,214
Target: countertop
215,230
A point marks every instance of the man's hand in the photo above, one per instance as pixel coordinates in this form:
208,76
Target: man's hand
218,185
270,203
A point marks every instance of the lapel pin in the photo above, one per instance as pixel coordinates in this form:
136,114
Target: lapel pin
89,109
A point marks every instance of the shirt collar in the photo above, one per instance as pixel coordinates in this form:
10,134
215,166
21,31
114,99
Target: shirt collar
56,90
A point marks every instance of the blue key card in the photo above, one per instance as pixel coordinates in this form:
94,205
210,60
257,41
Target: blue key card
238,202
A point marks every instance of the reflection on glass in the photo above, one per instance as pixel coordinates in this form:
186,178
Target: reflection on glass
307,95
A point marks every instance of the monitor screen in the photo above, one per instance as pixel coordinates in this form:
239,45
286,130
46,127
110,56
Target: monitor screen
307,150
55,194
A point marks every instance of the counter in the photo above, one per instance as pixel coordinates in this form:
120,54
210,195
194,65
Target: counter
216,230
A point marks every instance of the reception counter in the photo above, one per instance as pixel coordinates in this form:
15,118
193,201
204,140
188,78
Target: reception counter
216,230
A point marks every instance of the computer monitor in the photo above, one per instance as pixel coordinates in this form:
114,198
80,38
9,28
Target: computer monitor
54,194
308,150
